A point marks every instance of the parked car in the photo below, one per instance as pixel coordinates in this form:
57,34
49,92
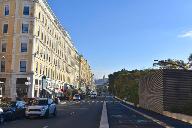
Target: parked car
13,109
93,96
7,111
18,108
1,116
76,97
42,107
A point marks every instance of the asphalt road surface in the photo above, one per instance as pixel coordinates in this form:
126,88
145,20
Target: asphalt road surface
87,114
121,115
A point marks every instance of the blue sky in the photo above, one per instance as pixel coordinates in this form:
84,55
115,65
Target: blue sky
130,34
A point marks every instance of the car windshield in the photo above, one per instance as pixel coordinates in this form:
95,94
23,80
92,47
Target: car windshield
76,95
40,102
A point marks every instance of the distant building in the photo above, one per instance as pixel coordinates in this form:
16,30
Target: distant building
101,81
166,90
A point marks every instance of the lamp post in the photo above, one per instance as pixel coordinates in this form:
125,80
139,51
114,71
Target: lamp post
28,83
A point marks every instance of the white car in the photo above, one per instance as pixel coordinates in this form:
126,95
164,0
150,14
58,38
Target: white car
93,95
76,97
42,107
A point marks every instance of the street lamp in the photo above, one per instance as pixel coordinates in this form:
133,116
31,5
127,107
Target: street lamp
28,83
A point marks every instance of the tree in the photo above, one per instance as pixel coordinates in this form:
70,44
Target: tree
125,84
190,58
174,64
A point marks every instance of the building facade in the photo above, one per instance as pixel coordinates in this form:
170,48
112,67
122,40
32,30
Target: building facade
36,51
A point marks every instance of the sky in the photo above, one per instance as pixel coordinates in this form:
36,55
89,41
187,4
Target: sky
131,34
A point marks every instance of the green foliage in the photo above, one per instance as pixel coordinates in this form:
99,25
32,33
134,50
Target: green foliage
174,64
125,84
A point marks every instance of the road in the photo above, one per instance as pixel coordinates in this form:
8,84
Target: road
120,116
87,114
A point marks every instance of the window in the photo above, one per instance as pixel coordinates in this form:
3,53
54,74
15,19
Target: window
38,32
6,10
39,15
3,66
23,47
36,81
23,66
26,10
3,47
25,28
39,82
5,28
43,18
36,70
40,69
41,36
46,71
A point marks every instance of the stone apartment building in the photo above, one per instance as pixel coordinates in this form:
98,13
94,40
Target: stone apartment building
36,51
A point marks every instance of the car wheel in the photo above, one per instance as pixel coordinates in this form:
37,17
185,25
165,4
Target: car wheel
47,114
55,112
13,116
1,119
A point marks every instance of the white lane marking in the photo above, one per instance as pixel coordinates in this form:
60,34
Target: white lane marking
104,118
45,127
148,117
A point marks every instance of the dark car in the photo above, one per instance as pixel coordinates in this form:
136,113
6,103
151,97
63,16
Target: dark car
13,110
18,107
7,112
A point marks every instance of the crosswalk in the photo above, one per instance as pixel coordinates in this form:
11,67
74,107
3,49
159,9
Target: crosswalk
96,101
